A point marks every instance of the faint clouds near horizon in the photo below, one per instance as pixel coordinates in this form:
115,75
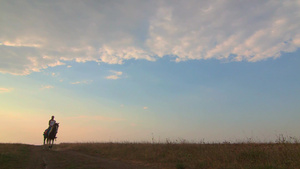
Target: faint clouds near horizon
5,90
44,87
82,82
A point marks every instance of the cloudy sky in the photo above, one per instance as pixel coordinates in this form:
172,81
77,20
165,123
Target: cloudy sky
136,70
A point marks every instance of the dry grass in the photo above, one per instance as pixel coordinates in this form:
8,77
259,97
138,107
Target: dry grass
13,155
281,155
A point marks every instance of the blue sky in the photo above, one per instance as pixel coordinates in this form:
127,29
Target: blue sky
134,70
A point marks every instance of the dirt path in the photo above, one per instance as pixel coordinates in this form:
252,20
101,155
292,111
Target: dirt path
64,159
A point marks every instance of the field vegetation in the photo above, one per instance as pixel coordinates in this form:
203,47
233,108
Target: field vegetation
13,155
282,154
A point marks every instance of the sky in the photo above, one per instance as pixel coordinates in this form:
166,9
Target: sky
143,71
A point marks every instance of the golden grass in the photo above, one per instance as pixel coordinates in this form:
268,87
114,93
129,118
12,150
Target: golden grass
280,155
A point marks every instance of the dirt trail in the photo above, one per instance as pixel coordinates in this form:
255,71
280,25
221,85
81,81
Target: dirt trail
64,159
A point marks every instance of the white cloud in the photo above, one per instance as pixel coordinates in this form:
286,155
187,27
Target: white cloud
249,31
145,108
5,90
34,36
117,56
20,43
116,75
47,87
83,82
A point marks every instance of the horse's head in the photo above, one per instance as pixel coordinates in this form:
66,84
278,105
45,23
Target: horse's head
56,125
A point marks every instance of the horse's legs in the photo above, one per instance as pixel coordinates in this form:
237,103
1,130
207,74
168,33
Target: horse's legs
49,143
52,143
44,142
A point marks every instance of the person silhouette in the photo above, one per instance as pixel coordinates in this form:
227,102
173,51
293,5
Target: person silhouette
51,124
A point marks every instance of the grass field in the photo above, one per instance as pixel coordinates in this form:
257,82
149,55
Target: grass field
13,155
280,155
197,156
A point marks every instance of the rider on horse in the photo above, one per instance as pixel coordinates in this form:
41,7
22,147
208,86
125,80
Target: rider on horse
50,133
51,124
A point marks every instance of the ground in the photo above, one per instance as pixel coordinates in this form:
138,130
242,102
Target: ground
280,155
57,158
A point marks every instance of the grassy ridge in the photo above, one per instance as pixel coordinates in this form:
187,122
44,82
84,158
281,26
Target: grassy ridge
185,155
13,155
281,155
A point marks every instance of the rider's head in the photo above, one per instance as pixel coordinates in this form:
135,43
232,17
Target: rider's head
52,117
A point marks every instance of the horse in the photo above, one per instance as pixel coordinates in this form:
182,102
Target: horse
51,136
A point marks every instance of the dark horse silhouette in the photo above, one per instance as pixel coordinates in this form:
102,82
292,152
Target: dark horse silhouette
51,136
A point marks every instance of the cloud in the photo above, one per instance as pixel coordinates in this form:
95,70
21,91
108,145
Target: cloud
5,90
96,118
20,43
250,31
47,87
116,75
55,74
145,108
34,36
83,82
